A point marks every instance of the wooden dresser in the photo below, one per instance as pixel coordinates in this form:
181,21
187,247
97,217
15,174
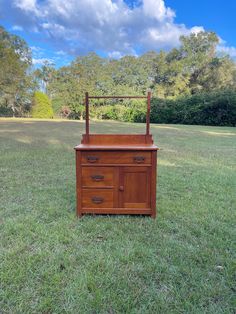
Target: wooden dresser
116,173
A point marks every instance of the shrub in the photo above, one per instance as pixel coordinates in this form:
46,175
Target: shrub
108,112
5,111
42,107
127,112
215,108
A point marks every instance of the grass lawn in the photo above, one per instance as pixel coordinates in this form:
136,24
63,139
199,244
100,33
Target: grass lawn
51,262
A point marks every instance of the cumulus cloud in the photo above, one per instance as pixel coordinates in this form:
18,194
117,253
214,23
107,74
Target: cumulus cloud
157,9
17,28
37,49
115,55
41,61
197,29
41,56
60,53
225,50
27,5
79,26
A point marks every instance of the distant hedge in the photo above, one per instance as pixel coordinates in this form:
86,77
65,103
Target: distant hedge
215,108
42,107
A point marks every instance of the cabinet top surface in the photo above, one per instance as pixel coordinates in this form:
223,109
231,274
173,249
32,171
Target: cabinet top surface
116,147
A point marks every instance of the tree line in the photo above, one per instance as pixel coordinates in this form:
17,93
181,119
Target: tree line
191,84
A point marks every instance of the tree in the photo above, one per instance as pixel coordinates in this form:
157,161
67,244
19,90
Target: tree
44,75
194,67
171,79
65,91
15,82
42,107
197,52
218,74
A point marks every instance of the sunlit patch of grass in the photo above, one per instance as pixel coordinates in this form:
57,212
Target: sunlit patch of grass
166,163
51,262
220,133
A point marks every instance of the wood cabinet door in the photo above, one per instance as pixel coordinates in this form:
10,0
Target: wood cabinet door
134,187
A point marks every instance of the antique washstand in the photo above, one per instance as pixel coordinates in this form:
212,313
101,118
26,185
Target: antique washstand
116,173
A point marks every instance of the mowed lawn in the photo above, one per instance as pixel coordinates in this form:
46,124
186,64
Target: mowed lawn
182,262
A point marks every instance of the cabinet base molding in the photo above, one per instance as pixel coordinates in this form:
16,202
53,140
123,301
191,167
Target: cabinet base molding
121,211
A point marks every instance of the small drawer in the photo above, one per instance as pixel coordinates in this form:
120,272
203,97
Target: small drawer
97,176
116,157
97,198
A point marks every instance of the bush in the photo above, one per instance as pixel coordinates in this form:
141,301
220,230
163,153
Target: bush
77,112
122,112
5,111
215,108
42,107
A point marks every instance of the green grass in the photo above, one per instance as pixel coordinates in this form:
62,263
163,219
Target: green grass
51,262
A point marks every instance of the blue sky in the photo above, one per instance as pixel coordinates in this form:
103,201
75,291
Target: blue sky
60,30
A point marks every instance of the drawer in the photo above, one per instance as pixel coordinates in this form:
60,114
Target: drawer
97,198
116,157
97,177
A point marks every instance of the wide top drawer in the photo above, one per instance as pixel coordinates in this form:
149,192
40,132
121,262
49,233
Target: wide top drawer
116,157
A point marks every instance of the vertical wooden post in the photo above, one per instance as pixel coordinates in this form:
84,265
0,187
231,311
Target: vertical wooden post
87,114
148,113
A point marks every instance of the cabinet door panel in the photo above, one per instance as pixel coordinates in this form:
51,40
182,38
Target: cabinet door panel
135,187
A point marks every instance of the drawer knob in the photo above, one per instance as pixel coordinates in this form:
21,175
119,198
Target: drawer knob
92,158
139,159
97,177
121,188
97,199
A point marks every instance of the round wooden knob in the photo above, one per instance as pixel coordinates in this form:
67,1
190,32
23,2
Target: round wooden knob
121,188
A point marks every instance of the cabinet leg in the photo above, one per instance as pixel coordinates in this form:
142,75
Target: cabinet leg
79,215
153,215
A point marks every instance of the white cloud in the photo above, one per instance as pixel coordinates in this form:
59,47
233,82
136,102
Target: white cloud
41,55
111,26
36,49
115,55
17,28
196,29
26,5
231,51
157,9
166,36
38,53
41,61
60,53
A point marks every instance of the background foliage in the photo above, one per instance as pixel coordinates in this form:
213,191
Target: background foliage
42,107
212,108
16,83
191,84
